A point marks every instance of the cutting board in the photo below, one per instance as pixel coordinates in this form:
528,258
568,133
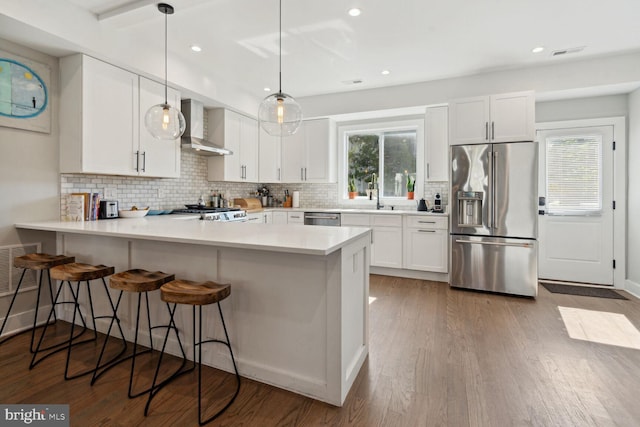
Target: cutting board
249,204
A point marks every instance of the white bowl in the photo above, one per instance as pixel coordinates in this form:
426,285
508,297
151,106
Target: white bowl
133,214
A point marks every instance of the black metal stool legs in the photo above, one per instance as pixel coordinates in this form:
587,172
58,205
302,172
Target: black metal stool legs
37,309
155,388
233,360
60,346
113,317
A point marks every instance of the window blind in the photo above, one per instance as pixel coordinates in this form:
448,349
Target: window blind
574,175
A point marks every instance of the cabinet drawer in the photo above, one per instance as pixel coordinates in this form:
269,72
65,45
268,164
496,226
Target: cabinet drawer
386,220
355,219
295,217
440,223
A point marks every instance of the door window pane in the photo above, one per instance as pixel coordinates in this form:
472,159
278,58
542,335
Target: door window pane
574,175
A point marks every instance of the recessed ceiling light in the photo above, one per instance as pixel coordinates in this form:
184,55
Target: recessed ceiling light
196,48
537,49
267,89
355,11
385,72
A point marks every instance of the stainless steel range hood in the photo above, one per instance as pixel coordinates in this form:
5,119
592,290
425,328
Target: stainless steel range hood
193,138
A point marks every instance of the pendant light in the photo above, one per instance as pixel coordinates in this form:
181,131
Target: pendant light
279,113
164,121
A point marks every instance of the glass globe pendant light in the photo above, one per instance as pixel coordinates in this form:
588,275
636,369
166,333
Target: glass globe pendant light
279,113
164,121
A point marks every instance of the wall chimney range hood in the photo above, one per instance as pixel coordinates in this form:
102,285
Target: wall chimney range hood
193,137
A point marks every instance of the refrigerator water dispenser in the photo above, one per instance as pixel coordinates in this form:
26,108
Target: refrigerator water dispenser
469,208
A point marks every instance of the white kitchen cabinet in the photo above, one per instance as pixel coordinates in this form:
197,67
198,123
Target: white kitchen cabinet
279,217
437,143
386,250
295,217
505,117
260,217
102,121
426,243
239,134
309,155
157,157
270,155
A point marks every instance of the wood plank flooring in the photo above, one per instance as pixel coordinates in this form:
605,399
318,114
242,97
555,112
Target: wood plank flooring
438,357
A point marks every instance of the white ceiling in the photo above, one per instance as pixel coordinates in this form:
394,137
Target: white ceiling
417,40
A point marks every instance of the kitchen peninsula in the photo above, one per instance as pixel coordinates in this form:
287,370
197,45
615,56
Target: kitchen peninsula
298,311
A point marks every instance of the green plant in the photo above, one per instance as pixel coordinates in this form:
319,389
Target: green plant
411,183
352,185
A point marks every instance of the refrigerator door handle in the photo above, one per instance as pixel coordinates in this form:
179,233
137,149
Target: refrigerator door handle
473,242
490,189
494,200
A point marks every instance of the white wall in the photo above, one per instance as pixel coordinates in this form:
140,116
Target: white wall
29,180
633,199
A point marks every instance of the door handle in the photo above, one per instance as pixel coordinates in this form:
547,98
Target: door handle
144,161
519,245
138,161
486,131
493,131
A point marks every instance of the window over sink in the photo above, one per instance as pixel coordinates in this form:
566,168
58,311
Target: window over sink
384,151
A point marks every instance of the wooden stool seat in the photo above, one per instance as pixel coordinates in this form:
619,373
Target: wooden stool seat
41,261
194,293
138,280
78,272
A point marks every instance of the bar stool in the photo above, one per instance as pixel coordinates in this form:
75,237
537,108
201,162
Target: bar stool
196,294
79,272
141,282
41,262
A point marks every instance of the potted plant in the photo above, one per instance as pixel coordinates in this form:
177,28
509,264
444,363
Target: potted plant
353,192
411,185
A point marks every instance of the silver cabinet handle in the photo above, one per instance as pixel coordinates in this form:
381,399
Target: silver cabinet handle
427,231
486,131
138,161
426,222
428,171
493,131
279,174
144,161
305,174
520,245
301,174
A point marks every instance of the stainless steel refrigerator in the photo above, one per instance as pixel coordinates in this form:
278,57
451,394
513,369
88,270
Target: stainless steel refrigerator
493,217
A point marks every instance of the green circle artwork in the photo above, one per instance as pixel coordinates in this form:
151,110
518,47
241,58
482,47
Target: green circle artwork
23,94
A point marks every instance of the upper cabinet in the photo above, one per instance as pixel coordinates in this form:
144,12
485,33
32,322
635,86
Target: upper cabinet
436,130
506,117
102,131
239,134
270,150
309,155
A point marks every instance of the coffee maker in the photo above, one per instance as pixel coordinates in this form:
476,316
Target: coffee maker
437,204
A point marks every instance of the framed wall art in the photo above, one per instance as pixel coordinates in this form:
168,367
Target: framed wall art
24,93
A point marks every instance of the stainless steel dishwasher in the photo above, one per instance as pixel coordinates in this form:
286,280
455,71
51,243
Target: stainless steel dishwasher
322,218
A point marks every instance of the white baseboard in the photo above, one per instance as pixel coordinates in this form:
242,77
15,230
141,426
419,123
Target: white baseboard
632,287
410,274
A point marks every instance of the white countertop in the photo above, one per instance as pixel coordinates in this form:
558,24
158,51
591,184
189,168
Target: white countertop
290,238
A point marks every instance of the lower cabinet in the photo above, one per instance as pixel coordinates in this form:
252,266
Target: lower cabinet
386,250
426,243
295,217
279,217
260,217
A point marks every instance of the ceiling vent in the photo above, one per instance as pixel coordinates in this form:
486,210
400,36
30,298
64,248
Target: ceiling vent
352,82
567,51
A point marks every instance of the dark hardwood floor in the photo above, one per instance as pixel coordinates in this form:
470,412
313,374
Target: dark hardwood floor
438,357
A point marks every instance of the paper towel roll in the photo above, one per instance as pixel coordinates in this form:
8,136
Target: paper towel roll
296,199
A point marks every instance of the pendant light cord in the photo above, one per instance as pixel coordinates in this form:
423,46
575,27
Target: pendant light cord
280,72
165,57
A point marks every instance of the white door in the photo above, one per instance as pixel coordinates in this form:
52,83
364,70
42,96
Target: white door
576,181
